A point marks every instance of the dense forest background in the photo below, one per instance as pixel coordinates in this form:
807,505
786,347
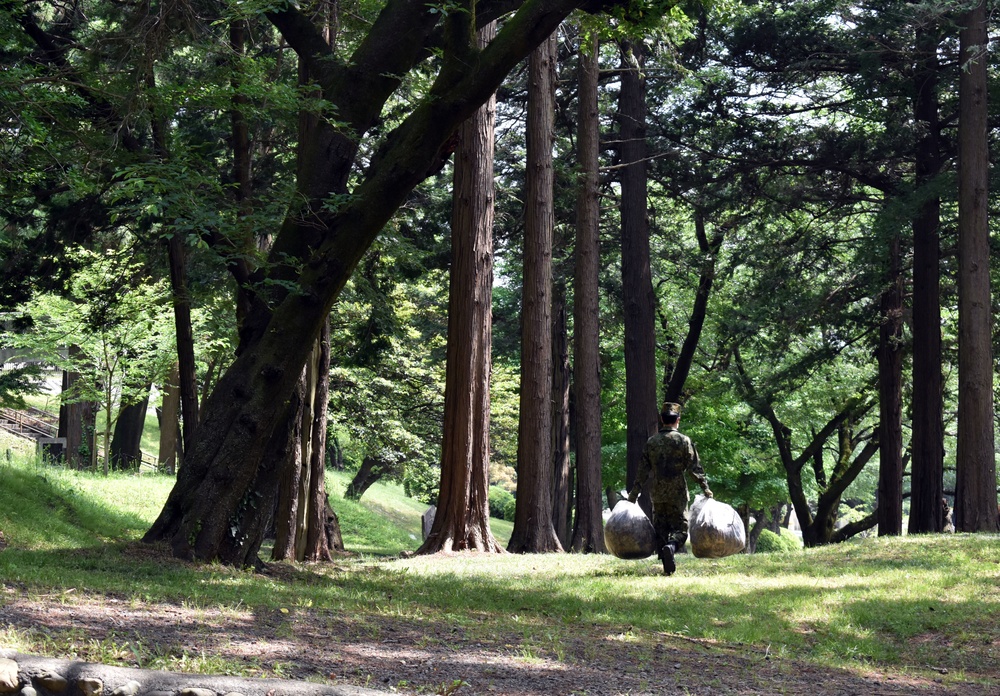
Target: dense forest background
246,209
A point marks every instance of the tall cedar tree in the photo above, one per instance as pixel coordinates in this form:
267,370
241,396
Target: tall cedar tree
462,520
588,527
927,461
533,529
637,285
890,381
975,484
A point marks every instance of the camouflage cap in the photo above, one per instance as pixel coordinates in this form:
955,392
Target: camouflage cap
669,408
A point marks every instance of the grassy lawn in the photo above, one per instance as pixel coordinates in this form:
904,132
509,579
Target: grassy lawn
920,605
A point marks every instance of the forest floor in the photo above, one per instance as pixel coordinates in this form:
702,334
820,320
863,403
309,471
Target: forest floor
404,656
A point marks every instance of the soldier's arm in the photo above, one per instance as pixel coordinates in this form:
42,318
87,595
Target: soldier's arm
640,478
698,473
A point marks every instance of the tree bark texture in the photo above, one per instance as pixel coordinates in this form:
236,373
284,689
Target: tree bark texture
462,518
637,285
76,420
369,473
890,379
319,539
561,475
533,530
300,524
185,339
975,484
170,410
287,511
229,476
927,439
126,453
588,525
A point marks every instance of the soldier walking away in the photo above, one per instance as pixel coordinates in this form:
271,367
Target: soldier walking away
667,456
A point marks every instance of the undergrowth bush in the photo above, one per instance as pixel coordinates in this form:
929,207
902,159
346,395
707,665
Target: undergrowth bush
769,542
501,504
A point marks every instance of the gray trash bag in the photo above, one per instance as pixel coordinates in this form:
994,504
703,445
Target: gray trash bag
628,533
715,529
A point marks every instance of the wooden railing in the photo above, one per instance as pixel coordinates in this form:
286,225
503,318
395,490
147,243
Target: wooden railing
36,424
32,423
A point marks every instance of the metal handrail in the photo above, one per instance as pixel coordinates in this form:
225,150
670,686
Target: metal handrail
31,426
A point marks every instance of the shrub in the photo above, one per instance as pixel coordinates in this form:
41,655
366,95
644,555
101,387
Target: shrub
500,501
769,542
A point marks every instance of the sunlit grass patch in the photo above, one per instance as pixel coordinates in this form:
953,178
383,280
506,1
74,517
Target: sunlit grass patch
902,603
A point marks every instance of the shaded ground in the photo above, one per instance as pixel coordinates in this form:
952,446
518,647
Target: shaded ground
408,657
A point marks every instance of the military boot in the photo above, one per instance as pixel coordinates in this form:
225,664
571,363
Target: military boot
667,556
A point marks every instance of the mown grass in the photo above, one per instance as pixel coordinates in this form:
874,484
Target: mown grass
921,605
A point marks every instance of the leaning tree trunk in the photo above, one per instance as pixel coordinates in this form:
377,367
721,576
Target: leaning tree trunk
975,482
369,473
637,285
709,248
533,530
588,526
462,520
225,492
927,467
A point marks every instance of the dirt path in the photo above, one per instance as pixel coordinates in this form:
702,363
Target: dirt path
425,658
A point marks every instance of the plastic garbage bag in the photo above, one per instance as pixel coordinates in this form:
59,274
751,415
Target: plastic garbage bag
628,533
715,529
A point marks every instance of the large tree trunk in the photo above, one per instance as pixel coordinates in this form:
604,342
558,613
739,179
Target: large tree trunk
927,439
170,409
976,483
890,379
290,483
126,452
462,520
322,528
301,519
561,475
533,530
588,527
76,420
227,486
637,285
370,472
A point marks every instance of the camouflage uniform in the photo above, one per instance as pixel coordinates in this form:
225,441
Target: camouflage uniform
668,455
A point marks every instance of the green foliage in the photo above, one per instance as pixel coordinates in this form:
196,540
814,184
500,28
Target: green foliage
114,328
18,381
502,503
769,542
735,450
